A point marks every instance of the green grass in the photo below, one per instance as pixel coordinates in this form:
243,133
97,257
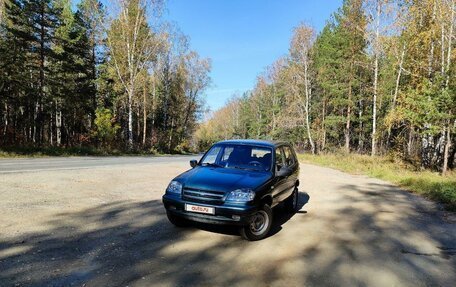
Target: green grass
430,184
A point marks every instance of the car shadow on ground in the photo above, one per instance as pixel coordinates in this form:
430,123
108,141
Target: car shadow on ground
109,244
132,243
280,217
118,244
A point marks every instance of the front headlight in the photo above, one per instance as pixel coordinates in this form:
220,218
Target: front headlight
241,195
174,187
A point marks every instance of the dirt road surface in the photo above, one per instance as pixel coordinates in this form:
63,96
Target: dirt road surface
104,225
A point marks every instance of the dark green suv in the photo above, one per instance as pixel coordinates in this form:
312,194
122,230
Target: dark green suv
236,182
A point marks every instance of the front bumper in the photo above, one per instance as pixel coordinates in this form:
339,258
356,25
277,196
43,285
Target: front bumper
224,214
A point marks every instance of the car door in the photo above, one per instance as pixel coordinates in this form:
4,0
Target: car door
292,164
280,185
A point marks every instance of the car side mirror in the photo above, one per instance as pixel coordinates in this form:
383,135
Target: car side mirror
193,163
283,171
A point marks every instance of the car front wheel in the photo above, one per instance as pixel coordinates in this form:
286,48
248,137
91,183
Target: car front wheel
259,225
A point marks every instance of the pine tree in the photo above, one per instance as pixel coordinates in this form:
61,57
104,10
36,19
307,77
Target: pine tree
43,21
16,79
90,16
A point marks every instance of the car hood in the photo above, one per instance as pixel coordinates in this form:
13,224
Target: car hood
222,179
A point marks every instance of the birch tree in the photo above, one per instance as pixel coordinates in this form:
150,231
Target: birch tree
376,48
197,80
301,44
451,121
132,47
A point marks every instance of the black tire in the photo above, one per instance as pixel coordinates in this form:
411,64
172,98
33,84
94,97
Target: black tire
259,226
176,220
291,203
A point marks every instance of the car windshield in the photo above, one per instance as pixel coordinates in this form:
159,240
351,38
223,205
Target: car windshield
239,157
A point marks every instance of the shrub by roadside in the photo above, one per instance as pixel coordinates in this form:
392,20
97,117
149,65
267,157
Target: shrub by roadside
11,152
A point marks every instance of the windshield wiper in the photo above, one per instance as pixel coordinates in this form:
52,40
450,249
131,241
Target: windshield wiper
238,167
246,168
212,164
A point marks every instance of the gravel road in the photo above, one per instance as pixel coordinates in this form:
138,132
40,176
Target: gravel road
100,222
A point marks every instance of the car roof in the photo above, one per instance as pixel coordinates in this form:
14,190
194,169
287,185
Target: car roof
266,143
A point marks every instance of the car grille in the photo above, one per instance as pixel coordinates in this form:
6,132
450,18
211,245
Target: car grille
204,196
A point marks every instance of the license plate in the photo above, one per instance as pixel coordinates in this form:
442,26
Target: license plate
199,209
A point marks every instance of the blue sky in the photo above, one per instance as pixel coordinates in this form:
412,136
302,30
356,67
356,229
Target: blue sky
243,37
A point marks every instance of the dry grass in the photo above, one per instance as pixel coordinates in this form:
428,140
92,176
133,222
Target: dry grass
427,183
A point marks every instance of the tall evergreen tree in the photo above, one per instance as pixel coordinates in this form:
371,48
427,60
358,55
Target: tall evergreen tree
17,84
91,15
43,16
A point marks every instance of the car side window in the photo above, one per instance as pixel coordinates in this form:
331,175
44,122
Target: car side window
289,156
279,158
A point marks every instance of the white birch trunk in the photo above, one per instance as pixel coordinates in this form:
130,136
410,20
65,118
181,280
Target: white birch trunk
152,132
58,126
446,152
448,64
307,88
374,104
130,120
144,116
450,39
398,78
6,120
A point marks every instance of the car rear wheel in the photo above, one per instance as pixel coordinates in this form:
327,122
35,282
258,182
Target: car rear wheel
176,221
291,203
259,225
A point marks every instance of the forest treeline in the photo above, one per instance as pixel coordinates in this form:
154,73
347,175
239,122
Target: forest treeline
115,76
378,79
